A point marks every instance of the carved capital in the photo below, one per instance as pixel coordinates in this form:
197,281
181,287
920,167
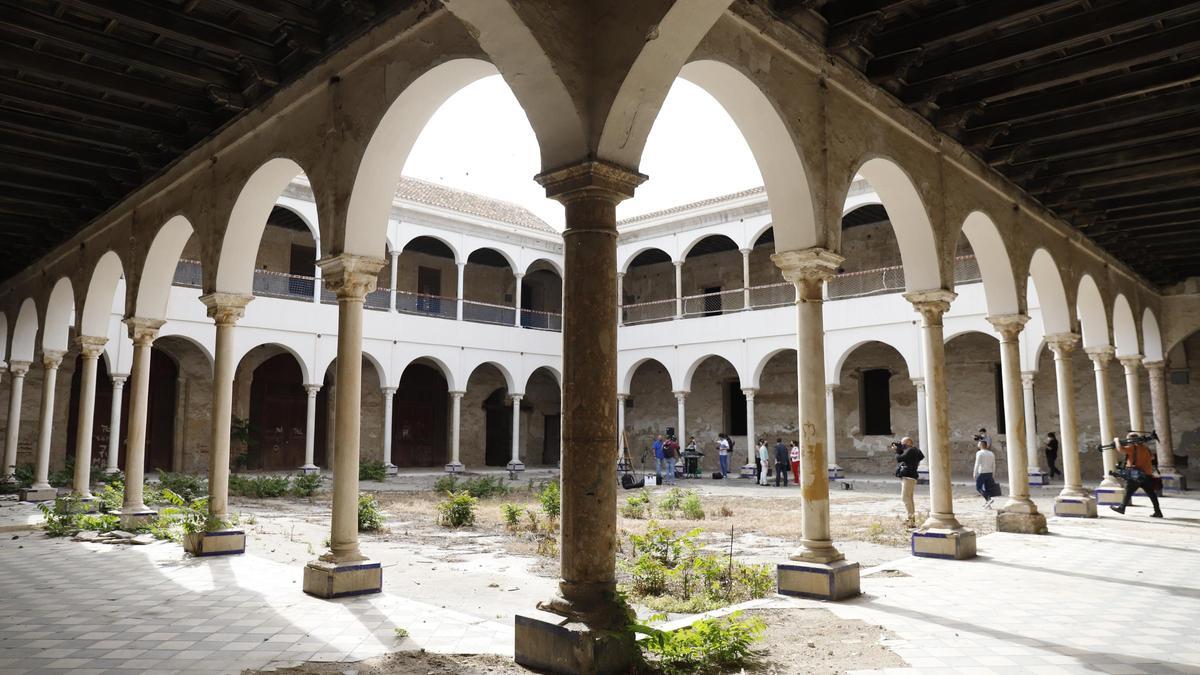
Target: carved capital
143,331
1062,344
749,392
680,395
810,264
350,276
457,394
52,358
91,347
1009,326
1155,368
19,368
226,308
312,389
1027,378
919,383
1100,356
1131,362
590,180
931,305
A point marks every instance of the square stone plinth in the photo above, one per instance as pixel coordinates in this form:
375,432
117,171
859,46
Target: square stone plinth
1039,478
822,581
454,467
747,471
941,543
309,468
1021,523
38,494
571,648
131,520
1174,483
836,473
1075,507
1109,496
222,542
338,580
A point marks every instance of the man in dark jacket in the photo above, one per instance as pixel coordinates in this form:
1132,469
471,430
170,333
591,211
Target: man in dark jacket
908,458
783,462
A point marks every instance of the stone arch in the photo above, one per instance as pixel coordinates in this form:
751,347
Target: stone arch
910,220
554,374
1093,317
154,287
1152,343
60,316
789,196
412,236
691,370
547,262
835,375
24,337
626,261
248,220
499,250
313,226
101,291
999,281
696,238
510,382
1125,334
1052,295
190,340
627,378
761,366
305,370
440,365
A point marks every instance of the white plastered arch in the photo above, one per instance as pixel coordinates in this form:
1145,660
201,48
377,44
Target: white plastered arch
624,261
101,293
555,266
60,316
3,337
910,221
24,337
1093,317
699,361
999,282
440,365
627,378
1152,344
508,256
248,220
154,287
1125,335
1051,294
697,237
279,341
410,234
761,366
834,374
554,374
510,382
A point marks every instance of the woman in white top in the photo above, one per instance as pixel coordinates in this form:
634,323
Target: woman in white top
985,468
723,454
764,459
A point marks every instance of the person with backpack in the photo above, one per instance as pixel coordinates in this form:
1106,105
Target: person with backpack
908,458
670,456
984,472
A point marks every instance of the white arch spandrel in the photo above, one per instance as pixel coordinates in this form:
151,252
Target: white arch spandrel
154,288
101,295
1152,344
513,267
24,338
1093,317
999,282
699,361
60,316
1051,294
442,367
510,382
1125,335
626,259
631,371
910,220
248,220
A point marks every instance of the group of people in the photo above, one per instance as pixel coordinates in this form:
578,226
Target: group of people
781,459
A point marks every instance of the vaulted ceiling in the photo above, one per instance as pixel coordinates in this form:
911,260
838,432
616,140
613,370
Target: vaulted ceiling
1091,106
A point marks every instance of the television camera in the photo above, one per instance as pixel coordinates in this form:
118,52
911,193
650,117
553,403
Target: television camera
1128,473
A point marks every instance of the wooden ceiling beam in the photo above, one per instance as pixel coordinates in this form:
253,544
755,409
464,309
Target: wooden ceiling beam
1098,141
1090,161
67,152
1140,189
1188,165
59,103
90,134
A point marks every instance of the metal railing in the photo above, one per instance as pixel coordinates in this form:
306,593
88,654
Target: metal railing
187,273
648,312
540,320
867,282
280,285
425,304
712,304
485,312
378,299
772,295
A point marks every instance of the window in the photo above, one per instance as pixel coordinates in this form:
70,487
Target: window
875,411
999,389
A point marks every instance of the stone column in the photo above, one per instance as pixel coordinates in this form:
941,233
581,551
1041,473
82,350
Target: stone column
310,429
941,535
317,280
745,278
749,467
179,433
462,276
90,348
594,634
455,466
515,464
922,426
17,371
1019,514
1173,481
344,570
678,289
114,425
389,394
621,398
517,298
835,471
1133,391
680,414
224,309
142,331
620,298
1110,491
1036,475
395,255
1074,500
817,568
331,425
41,490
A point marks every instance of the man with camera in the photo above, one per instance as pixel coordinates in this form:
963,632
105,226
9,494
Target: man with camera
908,459
1138,473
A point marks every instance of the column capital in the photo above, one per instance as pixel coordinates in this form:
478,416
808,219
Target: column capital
680,395
1009,326
389,391
52,358
226,308
1027,377
931,304
749,392
19,368
1156,368
457,394
119,380
622,397
620,275
745,251
91,346
312,389
350,276
810,264
591,179
677,263
142,330
1062,344
516,398
918,382
1100,355
830,388
1131,362
518,274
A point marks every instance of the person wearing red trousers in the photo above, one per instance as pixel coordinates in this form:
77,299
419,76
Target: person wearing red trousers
795,456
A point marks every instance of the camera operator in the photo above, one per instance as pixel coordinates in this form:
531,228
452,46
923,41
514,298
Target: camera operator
983,436
1139,473
908,458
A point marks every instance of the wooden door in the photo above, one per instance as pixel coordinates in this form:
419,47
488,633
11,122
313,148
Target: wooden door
278,411
419,413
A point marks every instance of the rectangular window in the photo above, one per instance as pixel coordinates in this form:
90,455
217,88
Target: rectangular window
712,304
999,389
875,413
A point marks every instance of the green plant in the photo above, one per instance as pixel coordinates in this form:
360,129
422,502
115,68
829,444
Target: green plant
401,633
457,510
112,497
512,515
671,502
262,487
485,486
61,516
370,517
376,471
692,507
715,645
98,522
23,475
65,476
305,484
550,498
636,506
447,483
187,486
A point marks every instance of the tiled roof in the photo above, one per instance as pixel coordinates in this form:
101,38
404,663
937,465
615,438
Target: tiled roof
432,194
694,205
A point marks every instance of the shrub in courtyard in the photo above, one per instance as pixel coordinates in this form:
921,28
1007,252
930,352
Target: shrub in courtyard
22,477
692,508
305,484
261,487
485,486
671,502
512,515
376,471
65,476
718,645
113,495
550,497
60,516
185,485
447,483
637,506
370,517
457,510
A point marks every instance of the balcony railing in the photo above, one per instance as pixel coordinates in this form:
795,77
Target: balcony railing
280,285
426,305
485,312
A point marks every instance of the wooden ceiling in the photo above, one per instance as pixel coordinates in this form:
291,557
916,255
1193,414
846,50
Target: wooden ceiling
1091,106
98,96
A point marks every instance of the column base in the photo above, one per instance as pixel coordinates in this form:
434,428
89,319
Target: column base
922,476
1174,483
1039,478
1021,523
337,580
516,466
821,581
391,469
221,542
1109,496
1074,507
33,494
310,468
89,505
572,648
747,471
946,544
135,518
455,467
836,473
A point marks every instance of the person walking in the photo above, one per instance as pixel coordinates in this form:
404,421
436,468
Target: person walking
985,469
763,459
794,455
782,462
659,463
723,454
1139,465
670,456
1052,455
908,458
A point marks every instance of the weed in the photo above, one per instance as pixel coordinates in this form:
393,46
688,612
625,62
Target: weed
724,511
550,498
715,645
261,487
187,486
447,483
376,471
636,506
512,515
692,507
370,517
65,476
457,510
306,484
23,475
401,633
485,486
671,502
